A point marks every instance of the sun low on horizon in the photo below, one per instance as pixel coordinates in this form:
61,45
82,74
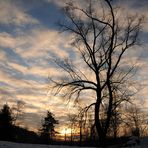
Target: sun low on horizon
30,41
65,131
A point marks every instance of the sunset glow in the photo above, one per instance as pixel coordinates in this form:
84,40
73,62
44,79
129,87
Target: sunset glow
29,39
66,131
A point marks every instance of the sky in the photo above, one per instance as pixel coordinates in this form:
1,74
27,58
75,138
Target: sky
29,38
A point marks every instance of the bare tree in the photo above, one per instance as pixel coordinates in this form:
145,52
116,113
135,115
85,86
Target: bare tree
115,122
136,120
81,123
117,111
101,39
73,124
18,112
85,122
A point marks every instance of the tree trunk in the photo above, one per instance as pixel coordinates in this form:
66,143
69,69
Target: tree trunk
80,134
109,111
71,135
101,134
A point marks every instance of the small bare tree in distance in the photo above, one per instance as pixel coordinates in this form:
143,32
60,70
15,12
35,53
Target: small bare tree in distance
101,37
136,120
72,118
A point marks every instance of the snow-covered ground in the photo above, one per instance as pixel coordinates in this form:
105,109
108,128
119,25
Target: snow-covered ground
4,144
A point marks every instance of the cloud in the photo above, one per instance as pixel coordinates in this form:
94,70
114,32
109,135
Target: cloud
25,61
36,43
34,120
57,2
136,7
28,81
13,14
43,42
7,40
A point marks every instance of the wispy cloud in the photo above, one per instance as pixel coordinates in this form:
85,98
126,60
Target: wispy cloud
25,54
13,14
25,67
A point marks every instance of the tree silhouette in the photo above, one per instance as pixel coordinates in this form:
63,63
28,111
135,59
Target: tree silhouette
136,120
48,125
72,118
6,123
18,112
102,39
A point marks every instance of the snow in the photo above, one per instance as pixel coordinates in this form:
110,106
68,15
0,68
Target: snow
5,144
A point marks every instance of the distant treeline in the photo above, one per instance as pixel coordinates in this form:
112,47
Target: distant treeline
11,132
86,134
